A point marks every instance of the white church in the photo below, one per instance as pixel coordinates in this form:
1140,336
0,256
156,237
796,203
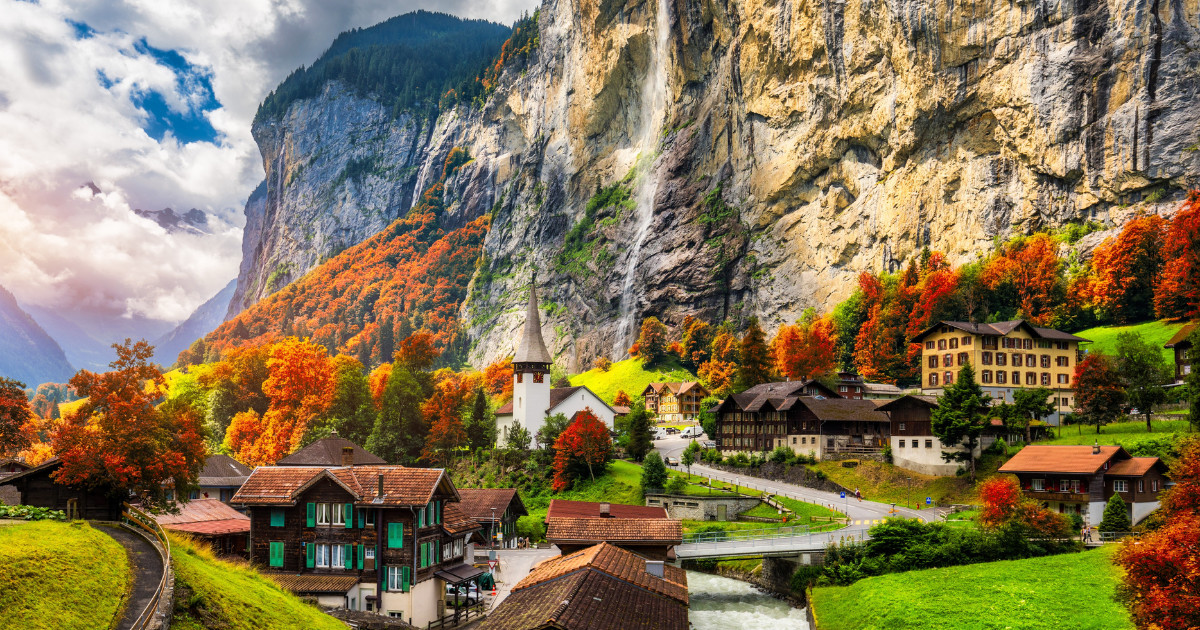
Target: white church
533,399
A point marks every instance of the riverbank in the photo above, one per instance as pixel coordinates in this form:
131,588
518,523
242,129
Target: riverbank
748,571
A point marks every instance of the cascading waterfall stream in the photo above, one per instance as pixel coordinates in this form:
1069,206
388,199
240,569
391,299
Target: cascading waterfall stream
654,108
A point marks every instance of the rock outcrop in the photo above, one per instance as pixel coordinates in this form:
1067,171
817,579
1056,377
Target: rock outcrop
801,144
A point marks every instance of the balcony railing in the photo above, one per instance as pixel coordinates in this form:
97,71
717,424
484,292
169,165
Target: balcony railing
1047,495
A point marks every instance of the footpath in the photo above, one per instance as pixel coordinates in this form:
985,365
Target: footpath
146,567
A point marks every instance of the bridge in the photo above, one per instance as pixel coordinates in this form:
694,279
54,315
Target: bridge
768,543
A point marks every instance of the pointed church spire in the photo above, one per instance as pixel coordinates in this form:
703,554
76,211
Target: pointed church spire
531,348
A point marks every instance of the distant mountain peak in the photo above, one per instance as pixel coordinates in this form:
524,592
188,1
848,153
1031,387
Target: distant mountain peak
194,221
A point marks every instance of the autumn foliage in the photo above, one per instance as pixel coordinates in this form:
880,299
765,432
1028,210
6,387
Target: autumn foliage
1124,269
1005,506
15,418
622,399
498,380
1177,295
1030,269
806,349
584,445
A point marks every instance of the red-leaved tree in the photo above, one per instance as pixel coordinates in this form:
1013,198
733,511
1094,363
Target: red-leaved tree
1099,391
1125,268
806,349
1029,267
1177,295
15,417
585,443
1000,496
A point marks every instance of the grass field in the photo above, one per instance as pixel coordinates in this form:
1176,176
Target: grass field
622,484
1125,434
61,576
629,376
888,484
1066,591
212,593
1104,338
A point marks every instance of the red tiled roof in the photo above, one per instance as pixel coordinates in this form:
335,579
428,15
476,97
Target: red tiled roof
275,485
314,583
201,510
212,528
279,485
1060,459
617,562
1133,467
614,530
455,522
477,503
562,508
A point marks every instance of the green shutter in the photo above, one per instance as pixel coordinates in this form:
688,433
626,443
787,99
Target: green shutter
440,506
276,554
349,514
395,535
405,578
310,555
312,514
362,519
361,550
421,519
276,517
348,551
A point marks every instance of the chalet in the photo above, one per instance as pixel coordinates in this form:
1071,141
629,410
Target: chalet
1006,356
574,525
601,587
12,466
851,385
496,510
914,446
1181,343
675,402
37,486
377,538
330,452
1081,479
225,529
220,478
533,399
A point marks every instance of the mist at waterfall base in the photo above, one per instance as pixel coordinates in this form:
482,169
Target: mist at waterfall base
723,603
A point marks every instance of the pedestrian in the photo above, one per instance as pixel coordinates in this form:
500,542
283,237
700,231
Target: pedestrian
1089,533
1083,533
857,494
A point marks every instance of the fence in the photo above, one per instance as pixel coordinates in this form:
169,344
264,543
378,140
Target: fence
461,615
137,518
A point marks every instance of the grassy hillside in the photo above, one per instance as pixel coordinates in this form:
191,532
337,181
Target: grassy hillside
1127,434
1104,338
629,376
212,593
1065,591
887,483
60,575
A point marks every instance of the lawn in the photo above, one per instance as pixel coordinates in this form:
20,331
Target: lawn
61,576
887,484
212,593
629,376
1127,434
1072,590
1104,338
966,518
621,484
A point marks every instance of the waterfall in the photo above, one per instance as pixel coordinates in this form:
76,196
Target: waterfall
653,113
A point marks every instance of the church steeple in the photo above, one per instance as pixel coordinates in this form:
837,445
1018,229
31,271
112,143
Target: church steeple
531,348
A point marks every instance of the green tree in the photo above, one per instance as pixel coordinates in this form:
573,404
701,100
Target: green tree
1116,516
1099,393
550,431
690,454
352,411
400,428
481,424
676,485
1029,405
1143,372
518,439
755,365
960,417
654,472
638,422
708,419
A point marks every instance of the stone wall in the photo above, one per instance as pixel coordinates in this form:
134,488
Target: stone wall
702,508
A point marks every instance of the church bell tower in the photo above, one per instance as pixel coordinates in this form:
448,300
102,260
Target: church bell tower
531,371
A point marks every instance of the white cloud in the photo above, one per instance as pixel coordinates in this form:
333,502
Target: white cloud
61,125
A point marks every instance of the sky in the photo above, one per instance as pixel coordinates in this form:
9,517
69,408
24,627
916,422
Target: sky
150,101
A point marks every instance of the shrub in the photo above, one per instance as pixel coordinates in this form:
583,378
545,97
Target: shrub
603,364
676,485
654,472
887,454
781,455
31,513
740,460
1116,516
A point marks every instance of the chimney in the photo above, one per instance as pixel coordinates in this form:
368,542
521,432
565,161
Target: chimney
605,510
654,567
1096,448
347,456
379,492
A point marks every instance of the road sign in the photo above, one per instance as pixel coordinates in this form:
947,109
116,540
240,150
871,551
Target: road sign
928,500
492,564
843,495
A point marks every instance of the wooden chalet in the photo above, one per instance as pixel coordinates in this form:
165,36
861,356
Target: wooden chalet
376,538
675,402
496,510
225,529
1081,479
37,486
331,452
1181,344
602,587
645,530
220,478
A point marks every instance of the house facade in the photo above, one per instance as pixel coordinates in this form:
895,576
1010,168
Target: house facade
1006,356
497,511
914,446
675,402
1181,344
36,486
1081,479
376,538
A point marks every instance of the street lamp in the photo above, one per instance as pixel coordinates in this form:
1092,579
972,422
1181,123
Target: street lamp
493,541
910,484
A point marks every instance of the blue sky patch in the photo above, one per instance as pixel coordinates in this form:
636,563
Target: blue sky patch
82,30
194,83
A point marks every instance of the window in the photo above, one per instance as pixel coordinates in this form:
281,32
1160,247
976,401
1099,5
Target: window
1141,486
948,378
1038,485
276,554
1045,360
929,345
933,380
933,361
1153,485
322,556
962,358
1031,378
804,440
1001,359
337,557
941,344
395,535
1120,485
928,443
195,494
901,426
1064,402
1029,344
954,343
1001,377
1016,362
276,517
1064,379
339,515
947,360
986,376
966,341
985,358
322,514
1045,378
397,579
843,388
1062,361
1016,378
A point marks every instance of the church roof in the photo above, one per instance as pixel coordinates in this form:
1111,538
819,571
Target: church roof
531,348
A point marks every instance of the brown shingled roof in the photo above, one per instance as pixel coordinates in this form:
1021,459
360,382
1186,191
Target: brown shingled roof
1061,459
585,509
1181,335
328,452
455,522
1001,329
477,503
280,485
845,409
314,583
223,470
1133,467
617,562
614,530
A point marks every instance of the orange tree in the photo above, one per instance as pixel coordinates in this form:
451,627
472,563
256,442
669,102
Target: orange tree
120,441
585,443
15,417
1099,393
622,399
1124,271
498,380
1029,269
1005,506
1162,569
754,358
651,343
718,371
805,350
1177,295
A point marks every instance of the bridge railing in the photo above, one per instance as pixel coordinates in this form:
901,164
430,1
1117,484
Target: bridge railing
768,533
140,519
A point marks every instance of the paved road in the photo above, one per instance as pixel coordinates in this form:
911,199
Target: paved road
146,567
515,564
864,513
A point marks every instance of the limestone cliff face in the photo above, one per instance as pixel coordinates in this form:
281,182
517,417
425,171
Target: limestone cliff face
829,138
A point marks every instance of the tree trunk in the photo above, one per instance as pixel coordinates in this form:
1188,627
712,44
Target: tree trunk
589,463
1097,427
1028,439
1148,429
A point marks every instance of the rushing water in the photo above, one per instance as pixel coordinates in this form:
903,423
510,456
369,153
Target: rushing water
718,602
654,107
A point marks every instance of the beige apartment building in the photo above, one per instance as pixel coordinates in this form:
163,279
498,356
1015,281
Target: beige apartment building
1006,356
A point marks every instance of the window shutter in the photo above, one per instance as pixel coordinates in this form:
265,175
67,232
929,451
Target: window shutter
440,508
405,578
421,518
276,517
349,514
349,553
310,555
276,554
361,552
362,519
393,536
312,514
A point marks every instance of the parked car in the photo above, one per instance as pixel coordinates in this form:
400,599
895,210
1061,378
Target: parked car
693,432
709,444
467,594
671,430
660,435
672,461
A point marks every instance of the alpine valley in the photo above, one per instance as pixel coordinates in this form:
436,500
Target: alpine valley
718,158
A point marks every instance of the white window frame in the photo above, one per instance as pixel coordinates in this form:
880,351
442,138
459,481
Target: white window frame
1120,485
322,514
393,578
901,426
337,556
322,557
1038,485
338,511
369,552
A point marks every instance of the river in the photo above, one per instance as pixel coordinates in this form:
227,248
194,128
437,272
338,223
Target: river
724,603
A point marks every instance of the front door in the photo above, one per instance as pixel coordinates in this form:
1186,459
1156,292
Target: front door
722,513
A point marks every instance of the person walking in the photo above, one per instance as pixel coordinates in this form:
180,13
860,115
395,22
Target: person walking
1083,532
857,495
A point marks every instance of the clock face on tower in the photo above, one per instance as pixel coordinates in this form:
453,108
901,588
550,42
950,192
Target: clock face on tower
537,377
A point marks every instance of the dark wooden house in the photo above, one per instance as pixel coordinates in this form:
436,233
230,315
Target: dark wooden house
496,510
385,539
331,452
1181,343
37,487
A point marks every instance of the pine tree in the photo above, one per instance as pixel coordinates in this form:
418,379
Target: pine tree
960,417
481,425
638,421
1116,516
1029,405
400,428
654,473
755,365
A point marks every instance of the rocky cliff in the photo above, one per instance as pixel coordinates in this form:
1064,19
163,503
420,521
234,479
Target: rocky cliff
747,157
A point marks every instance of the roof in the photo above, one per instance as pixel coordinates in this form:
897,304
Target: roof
903,401
599,588
223,470
328,452
1181,336
455,522
679,387
477,503
459,573
314,582
12,461
755,398
402,486
53,462
531,348
615,530
621,410
1001,329
616,562
881,388
1133,467
557,396
1061,459
213,528
201,510
845,409
586,509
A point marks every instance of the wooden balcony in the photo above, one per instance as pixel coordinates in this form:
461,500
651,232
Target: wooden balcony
1044,495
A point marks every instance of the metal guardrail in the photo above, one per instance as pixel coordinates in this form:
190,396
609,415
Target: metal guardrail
138,518
768,533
